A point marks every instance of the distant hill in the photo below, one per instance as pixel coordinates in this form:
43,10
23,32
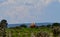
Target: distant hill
28,24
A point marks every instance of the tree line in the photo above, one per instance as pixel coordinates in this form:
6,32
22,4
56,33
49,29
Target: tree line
35,26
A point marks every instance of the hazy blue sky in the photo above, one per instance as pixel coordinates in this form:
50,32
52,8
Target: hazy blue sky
25,11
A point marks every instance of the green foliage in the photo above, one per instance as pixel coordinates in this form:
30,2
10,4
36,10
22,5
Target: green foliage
17,27
56,29
49,26
42,26
4,23
3,26
56,24
26,32
23,25
23,31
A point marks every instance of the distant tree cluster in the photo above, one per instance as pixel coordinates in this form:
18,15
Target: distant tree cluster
23,25
33,25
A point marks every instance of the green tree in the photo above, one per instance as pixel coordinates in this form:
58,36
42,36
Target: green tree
23,25
49,26
3,25
56,24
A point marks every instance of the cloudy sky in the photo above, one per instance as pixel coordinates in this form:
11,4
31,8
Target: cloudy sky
27,11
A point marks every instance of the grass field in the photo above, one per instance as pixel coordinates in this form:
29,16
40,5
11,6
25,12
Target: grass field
27,32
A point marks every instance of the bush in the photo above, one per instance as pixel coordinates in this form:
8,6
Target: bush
56,31
23,25
48,25
56,24
42,34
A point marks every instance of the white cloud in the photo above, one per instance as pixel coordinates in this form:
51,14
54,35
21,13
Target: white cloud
58,0
20,9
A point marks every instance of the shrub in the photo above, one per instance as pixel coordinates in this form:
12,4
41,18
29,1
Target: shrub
55,24
48,25
42,34
23,25
56,31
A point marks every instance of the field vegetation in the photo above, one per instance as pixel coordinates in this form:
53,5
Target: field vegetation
31,31
35,31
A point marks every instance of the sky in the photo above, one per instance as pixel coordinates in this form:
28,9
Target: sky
28,11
